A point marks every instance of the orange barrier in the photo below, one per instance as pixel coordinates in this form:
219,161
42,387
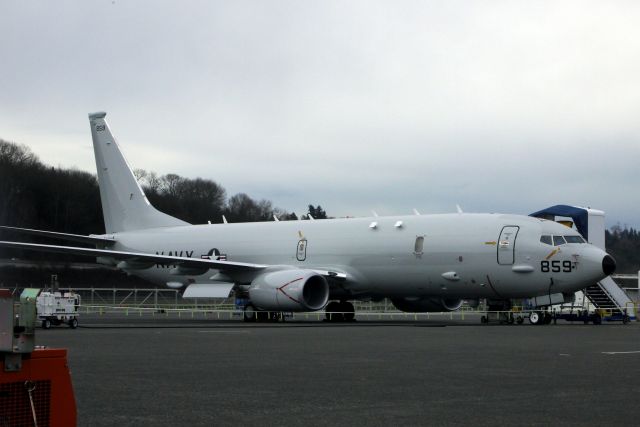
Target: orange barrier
40,393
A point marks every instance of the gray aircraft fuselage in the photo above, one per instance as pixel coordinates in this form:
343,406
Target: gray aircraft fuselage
462,256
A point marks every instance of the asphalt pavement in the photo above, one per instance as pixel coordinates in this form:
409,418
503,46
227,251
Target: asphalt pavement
139,371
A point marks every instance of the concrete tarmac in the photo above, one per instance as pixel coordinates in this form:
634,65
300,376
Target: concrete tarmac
134,372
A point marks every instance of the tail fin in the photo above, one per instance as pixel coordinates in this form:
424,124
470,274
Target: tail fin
124,204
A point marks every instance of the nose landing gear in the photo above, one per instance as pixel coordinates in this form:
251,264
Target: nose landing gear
540,318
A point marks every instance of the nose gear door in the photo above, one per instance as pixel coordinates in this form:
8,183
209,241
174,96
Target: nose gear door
507,244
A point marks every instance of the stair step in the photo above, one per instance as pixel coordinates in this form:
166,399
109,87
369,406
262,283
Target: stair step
599,298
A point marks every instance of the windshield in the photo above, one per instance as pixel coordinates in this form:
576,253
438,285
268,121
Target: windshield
546,240
574,239
558,240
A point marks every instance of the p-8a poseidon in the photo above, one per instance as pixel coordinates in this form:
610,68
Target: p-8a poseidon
420,262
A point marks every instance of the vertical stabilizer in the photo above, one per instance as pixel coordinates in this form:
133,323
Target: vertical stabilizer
124,204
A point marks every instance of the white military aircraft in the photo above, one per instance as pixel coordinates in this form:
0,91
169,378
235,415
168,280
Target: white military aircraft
421,262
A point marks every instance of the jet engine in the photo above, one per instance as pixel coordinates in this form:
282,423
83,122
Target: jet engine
289,290
426,304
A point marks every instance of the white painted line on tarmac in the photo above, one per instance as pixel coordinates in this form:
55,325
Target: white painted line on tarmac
621,352
564,354
223,332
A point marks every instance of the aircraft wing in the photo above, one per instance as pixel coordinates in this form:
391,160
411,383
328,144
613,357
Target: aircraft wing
91,240
140,258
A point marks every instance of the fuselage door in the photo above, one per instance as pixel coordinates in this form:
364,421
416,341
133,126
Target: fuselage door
507,244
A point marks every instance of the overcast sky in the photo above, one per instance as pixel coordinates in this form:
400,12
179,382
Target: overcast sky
499,106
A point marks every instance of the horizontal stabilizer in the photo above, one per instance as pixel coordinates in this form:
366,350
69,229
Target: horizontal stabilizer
139,257
208,290
91,240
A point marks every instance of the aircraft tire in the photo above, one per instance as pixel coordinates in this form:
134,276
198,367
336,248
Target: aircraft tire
349,311
249,314
484,319
597,319
546,318
275,316
73,323
333,312
625,319
535,318
46,324
520,320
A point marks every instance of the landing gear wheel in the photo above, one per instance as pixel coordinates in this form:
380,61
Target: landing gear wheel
519,320
275,316
585,316
349,311
535,318
484,319
73,323
625,319
546,318
46,324
249,314
597,319
334,312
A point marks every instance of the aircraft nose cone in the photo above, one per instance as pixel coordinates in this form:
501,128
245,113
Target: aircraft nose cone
608,265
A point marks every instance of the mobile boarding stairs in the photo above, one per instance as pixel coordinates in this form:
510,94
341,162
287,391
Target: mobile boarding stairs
605,295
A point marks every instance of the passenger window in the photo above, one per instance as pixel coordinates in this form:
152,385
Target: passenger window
574,239
546,240
558,240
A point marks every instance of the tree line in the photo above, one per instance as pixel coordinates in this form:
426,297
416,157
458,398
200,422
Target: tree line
35,195
624,245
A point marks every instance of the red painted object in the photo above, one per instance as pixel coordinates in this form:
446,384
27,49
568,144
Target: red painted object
44,381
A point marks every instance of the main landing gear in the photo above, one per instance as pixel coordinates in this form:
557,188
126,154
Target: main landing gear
342,311
252,314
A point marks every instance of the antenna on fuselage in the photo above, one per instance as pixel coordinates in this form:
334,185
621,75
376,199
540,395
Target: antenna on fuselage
311,218
415,212
374,213
275,218
224,219
459,209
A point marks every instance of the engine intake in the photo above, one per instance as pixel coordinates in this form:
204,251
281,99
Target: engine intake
426,304
290,290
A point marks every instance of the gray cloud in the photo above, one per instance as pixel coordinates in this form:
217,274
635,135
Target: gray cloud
498,106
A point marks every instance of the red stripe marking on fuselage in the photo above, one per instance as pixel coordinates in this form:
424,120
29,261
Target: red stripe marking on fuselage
281,289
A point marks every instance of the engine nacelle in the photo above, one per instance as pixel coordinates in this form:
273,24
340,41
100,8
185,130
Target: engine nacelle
289,290
426,304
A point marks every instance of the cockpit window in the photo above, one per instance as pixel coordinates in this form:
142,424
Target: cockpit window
574,239
558,240
546,240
